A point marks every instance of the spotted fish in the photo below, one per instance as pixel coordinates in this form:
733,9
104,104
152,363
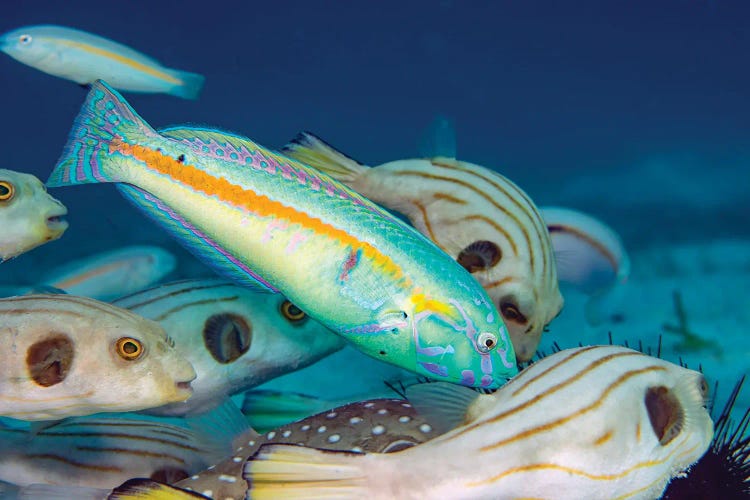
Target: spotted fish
83,57
266,220
29,216
103,451
68,356
587,423
235,338
373,426
477,216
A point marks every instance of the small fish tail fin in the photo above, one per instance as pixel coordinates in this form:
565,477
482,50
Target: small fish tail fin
314,151
296,472
190,86
105,120
147,489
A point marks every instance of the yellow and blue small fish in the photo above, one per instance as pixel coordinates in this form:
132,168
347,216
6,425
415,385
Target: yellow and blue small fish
236,338
268,221
479,217
84,58
582,424
103,451
29,216
70,356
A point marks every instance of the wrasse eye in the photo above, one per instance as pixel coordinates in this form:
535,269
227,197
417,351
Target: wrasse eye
129,348
181,158
511,313
486,342
292,312
7,190
24,39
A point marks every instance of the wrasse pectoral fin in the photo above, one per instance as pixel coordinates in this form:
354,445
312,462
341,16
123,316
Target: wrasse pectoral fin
392,321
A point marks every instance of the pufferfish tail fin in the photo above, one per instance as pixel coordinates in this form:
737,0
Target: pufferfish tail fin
146,489
299,473
314,151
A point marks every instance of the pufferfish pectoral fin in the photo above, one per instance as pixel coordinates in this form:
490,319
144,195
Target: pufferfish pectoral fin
146,489
445,406
315,152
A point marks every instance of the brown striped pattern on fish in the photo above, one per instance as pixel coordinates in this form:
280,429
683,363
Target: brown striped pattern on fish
64,356
458,204
587,423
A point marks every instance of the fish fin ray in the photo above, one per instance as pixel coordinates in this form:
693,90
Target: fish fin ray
191,86
267,410
146,489
195,241
297,472
445,406
315,152
104,116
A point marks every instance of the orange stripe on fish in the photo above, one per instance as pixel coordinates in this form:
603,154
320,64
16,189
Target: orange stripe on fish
253,202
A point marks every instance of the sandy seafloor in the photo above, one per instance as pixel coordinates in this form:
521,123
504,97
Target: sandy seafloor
635,113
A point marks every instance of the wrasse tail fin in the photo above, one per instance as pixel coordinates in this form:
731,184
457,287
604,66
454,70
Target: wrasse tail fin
105,116
315,152
296,472
198,243
191,86
146,489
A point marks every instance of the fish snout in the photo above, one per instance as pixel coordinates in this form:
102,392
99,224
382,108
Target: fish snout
184,375
55,219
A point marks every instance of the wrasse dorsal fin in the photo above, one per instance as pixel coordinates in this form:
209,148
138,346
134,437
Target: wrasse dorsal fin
207,134
298,472
196,242
146,489
317,153
445,406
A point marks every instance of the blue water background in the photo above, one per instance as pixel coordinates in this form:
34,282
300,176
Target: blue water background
636,112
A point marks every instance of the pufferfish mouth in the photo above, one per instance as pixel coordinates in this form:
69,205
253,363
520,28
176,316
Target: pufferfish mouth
184,386
57,222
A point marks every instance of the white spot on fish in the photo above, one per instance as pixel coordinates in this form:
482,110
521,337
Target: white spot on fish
382,411
195,477
331,415
208,493
357,448
404,419
305,427
334,438
271,435
237,460
251,443
322,429
378,430
355,420
369,405
425,428
227,479
286,434
211,468
406,405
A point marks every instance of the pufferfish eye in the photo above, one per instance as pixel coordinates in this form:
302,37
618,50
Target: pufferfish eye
486,342
129,348
292,312
24,39
7,190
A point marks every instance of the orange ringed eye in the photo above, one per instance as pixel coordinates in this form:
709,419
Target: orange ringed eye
7,190
129,348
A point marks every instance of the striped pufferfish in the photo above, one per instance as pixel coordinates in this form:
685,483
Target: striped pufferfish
69,356
265,220
102,451
29,216
84,57
477,216
586,423
235,338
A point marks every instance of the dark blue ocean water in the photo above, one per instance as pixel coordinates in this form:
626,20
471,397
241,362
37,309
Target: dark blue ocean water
635,112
